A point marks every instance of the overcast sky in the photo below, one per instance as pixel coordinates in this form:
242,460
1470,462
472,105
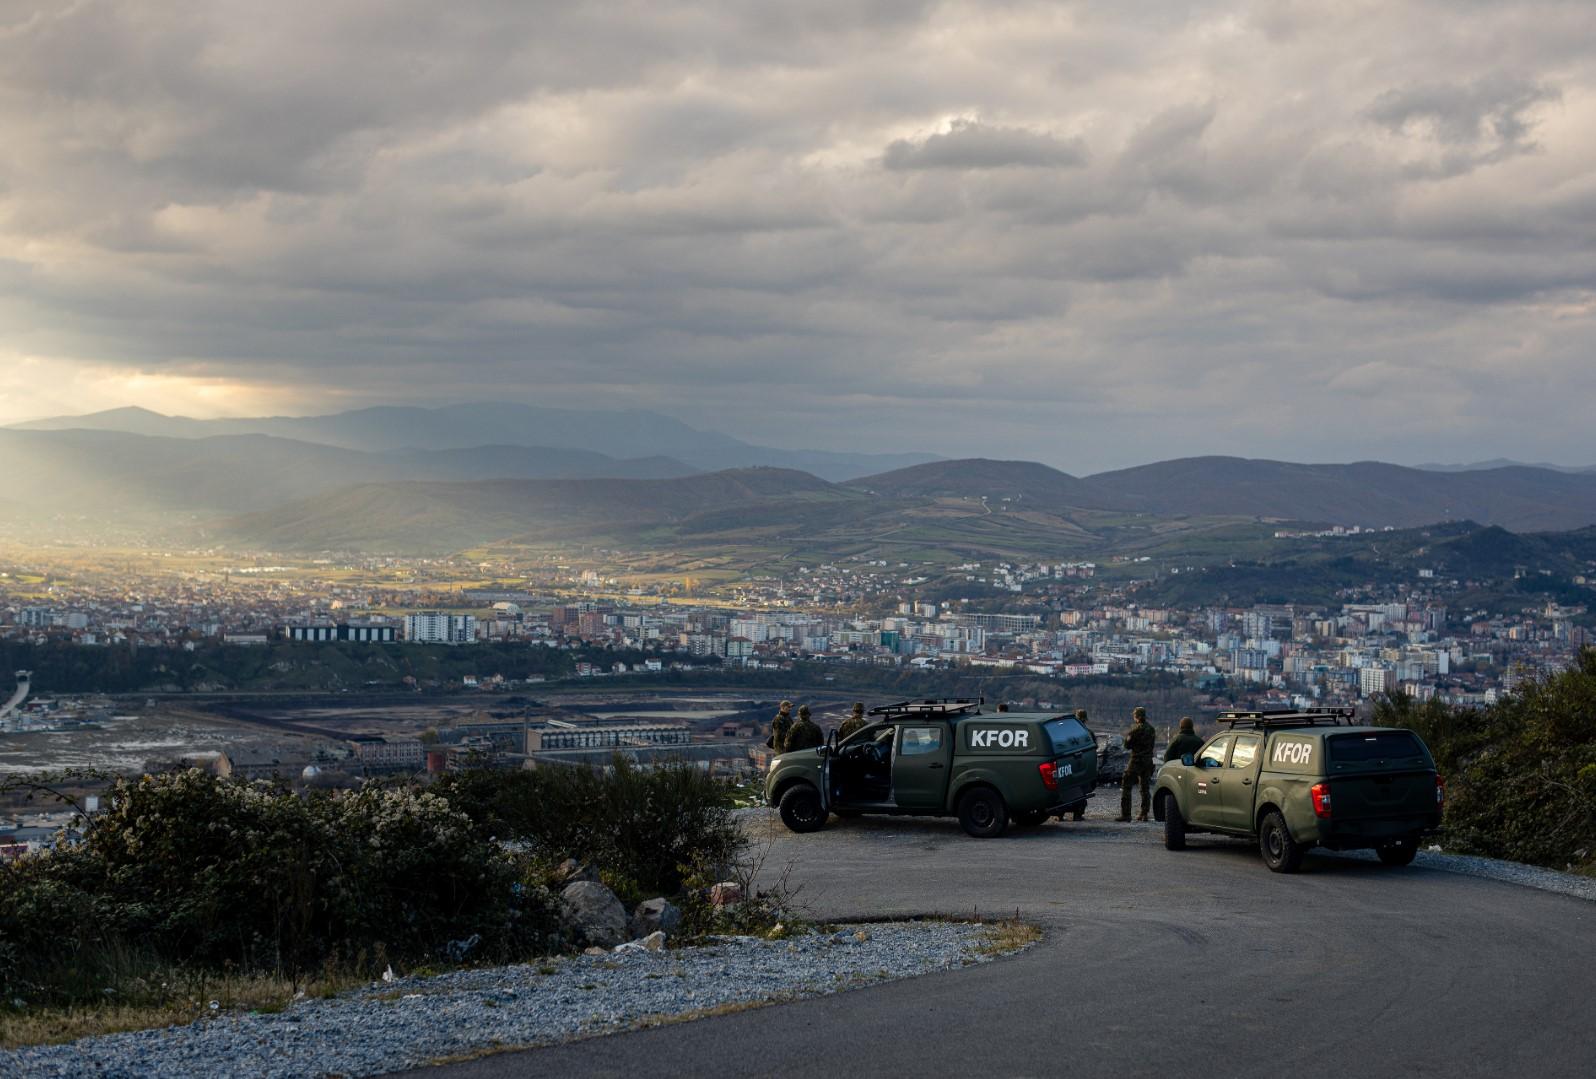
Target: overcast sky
1090,234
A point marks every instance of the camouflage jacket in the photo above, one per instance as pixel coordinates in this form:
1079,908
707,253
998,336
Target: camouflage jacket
778,730
1139,740
802,735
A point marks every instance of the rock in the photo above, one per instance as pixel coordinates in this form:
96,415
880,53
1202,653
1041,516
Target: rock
654,942
572,871
654,915
594,951
725,893
593,913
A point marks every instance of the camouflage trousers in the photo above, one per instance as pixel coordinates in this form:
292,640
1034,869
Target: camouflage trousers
1136,771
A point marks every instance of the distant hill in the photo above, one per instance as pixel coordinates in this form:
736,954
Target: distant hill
450,516
1012,485
78,469
1367,493
1504,462
629,434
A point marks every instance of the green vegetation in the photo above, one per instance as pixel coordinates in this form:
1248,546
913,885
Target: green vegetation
187,881
1521,776
287,665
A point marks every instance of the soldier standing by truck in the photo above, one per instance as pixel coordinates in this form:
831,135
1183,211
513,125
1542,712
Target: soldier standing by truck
803,734
1183,743
1139,741
854,722
779,727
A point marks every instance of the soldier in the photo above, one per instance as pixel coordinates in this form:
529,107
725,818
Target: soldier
803,734
854,722
1080,714
779,726
1139,740
1183,743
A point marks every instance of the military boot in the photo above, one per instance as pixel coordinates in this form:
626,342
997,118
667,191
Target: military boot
1143,815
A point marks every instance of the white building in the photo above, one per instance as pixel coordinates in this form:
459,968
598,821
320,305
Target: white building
436,627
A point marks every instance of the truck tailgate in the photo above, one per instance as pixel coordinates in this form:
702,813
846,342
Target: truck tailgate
1383,794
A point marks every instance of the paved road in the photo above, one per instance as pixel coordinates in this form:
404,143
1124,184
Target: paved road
1198,963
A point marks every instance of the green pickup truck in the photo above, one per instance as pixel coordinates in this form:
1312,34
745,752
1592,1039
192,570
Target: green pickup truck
1292,781
941,758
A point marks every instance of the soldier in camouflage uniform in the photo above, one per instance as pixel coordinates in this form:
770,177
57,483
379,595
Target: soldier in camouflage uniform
1080,714
779,727
854,722
1139,740
1183,743
803,734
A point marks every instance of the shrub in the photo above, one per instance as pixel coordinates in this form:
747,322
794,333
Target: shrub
190,870
639,827
1521,775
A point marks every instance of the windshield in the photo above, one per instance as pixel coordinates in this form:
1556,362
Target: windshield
1374,746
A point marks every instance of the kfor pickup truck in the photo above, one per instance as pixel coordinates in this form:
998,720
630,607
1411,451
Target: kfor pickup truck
941,758
1292,781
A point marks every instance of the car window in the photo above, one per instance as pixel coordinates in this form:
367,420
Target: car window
917,740
1213,754
1245,753
1380,745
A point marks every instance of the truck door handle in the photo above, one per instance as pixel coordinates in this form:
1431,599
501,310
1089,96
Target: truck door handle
1246,783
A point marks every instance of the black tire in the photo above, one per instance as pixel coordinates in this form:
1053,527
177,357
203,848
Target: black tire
982,813
1399,853
1281,853
1030,818
801,810
1174,826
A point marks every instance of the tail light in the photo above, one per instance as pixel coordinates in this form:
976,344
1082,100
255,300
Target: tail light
1049,772
1440,791
1321,799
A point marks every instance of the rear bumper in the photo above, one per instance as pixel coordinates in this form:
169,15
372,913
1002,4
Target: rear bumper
1374,831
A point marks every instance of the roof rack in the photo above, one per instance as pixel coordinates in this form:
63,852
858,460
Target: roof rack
1308,717
931,708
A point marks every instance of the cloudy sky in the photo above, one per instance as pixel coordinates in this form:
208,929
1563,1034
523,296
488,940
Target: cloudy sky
1091,234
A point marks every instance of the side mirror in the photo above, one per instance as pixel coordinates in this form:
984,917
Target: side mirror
1188,760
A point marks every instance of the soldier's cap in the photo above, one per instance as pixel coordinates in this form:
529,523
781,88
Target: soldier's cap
786,706
803,710
858,708
1140,713
1080,714
1185,724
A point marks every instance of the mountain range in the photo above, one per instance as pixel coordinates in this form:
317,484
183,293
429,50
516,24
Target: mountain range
384,429
431,480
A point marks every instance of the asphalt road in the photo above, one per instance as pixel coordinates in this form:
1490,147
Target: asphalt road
1191,964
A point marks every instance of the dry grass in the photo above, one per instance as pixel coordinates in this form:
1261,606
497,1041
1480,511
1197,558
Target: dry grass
192,1001
1008,936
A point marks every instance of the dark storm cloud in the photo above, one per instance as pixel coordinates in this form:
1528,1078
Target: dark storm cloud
1215,224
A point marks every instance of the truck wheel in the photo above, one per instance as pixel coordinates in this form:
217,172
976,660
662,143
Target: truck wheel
982,813
1280,852
801,810
1030,818
1399,853
1174,826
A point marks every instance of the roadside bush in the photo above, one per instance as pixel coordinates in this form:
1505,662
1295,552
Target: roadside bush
1521,775
187,869
637,826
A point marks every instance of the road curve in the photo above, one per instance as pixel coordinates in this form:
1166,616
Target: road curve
1197,963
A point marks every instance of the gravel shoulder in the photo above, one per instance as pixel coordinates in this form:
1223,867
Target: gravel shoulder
415,1021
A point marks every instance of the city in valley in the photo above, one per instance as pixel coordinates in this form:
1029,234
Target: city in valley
330,670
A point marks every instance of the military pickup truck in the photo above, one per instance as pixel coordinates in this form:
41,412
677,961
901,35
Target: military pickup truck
1292,781
941,758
